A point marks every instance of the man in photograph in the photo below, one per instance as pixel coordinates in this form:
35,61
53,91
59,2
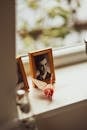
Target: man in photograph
43,71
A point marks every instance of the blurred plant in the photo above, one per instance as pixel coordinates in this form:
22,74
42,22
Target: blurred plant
56,32
32,4
59,11
30,34
23,31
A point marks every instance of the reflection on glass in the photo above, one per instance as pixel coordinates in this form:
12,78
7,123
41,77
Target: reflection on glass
22,100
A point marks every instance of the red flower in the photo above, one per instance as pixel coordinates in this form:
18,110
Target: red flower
48,91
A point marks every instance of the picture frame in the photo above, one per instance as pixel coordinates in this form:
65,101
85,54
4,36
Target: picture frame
39,61
21,82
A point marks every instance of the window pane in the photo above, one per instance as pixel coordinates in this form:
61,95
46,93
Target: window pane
49,23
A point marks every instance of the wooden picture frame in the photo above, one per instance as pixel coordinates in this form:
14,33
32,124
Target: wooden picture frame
22,82
45,58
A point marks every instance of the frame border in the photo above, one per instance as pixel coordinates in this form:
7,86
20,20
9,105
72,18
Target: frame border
32,63
20,63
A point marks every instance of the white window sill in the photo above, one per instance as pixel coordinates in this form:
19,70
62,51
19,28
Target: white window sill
70,88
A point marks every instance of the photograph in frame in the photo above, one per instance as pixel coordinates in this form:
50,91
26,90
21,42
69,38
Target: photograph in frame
41,65
22,82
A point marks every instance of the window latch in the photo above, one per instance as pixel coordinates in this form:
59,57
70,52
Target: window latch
85,41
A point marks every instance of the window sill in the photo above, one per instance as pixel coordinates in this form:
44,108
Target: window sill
70,88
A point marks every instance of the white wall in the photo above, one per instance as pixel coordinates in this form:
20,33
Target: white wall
7,62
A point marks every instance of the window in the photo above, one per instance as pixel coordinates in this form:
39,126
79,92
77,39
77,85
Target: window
55,23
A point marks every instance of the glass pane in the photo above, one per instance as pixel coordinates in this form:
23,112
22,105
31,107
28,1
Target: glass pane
49,23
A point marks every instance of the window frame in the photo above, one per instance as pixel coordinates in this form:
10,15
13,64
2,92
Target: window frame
70,55
63,57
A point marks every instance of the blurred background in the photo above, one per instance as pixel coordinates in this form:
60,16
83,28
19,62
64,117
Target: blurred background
49,23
